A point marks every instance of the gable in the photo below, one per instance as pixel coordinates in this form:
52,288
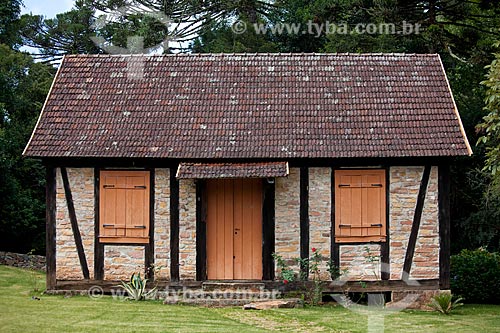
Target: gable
250,106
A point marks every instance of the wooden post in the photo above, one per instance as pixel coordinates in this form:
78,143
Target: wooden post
74,224
385,246
444,226
98,246
268,225
50,226
174,226
201,230
334,246
149,249
304,217
410,250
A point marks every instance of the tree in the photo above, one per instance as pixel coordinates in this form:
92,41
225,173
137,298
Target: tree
23,87
491,124
9,14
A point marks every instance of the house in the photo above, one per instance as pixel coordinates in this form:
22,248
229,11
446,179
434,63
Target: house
206,165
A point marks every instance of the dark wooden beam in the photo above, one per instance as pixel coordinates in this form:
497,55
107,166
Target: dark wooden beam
149,249
50,226
174,226
410,250
385,246
444,226
98,246
74,224
201,230
334,246
268,229
304,217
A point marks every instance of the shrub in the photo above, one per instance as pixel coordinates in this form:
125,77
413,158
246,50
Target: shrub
444,303
475,276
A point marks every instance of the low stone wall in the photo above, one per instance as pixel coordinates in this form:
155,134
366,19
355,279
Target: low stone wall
22,260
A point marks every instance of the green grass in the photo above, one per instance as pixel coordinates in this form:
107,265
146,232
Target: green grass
20,313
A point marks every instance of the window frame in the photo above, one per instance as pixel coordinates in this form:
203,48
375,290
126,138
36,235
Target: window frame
104,237
381,237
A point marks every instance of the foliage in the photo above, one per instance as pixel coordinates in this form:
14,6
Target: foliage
136,288
286,273
9,14
23,88
475,275
444,303
481,228
490,126
309,271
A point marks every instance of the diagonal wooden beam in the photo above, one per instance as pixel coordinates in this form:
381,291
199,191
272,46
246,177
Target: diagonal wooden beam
410,250
74,224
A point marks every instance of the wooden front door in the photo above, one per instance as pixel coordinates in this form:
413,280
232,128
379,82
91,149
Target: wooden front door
234,229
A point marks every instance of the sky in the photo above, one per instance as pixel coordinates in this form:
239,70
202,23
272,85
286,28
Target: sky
47,8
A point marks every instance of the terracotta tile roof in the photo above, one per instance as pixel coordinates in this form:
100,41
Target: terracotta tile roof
232,170
278,106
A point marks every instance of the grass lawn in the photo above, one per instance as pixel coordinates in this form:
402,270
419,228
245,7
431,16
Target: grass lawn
20,313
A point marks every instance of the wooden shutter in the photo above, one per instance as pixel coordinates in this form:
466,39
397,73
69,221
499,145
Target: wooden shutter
124,207
360,206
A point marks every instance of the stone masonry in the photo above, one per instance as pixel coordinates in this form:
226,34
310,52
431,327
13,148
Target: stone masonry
287,217
187,229
81,181
162,224
320,200
405,183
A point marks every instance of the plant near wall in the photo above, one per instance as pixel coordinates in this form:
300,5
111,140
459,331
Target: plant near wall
136,288
286,273
310,271
444,303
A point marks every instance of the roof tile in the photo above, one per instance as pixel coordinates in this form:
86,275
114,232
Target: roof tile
265,106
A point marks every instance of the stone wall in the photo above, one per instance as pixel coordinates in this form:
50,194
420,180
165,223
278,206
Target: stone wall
187,229
320,201
360,261
27,261
405,184
120,261
287,216
81,181
162,224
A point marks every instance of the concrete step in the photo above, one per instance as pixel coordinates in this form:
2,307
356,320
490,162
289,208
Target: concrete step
233,286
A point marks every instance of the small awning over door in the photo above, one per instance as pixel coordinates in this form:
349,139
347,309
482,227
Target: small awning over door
232,170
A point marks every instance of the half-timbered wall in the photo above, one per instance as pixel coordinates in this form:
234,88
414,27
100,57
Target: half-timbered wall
362,260
81,182
405,183
120,261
